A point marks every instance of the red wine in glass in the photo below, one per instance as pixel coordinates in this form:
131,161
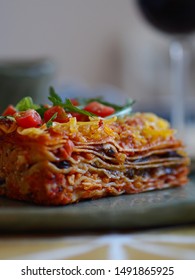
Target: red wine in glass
170,16
176,18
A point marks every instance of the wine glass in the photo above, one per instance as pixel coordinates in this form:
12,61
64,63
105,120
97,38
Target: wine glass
177,19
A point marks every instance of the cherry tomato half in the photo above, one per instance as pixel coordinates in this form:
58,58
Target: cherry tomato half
61,114
28,118
9,111
99,109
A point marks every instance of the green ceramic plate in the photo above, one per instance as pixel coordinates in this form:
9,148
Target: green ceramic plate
174,206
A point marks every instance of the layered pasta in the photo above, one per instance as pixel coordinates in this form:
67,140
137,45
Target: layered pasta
77,160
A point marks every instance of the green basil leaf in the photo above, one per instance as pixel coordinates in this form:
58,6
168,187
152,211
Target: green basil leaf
26,103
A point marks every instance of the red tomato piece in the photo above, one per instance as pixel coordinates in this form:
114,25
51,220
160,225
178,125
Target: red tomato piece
80,117
9,111
99,109
68,148
74,101
28,118
61,114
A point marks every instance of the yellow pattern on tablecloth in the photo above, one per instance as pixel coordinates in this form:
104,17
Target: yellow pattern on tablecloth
167,243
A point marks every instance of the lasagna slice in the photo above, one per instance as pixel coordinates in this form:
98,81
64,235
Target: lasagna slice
62,162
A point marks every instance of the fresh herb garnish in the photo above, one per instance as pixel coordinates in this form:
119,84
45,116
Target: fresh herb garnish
54,97
26,103
67,105
50,121
120,110
124,110
41,110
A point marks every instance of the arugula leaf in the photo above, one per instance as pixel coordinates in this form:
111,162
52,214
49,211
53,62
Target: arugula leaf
120,110
50,121
54,97
67,105
26,103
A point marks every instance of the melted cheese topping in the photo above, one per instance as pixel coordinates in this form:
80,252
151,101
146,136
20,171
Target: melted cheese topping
132,132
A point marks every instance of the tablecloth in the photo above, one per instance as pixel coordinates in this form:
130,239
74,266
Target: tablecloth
163,243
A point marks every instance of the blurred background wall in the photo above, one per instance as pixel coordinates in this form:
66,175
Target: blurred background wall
82,36
92,42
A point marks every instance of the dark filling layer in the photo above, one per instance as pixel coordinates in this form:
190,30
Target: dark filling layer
148,172
171,154
64,164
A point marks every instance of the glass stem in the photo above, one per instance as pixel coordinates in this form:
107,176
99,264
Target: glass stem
179,68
